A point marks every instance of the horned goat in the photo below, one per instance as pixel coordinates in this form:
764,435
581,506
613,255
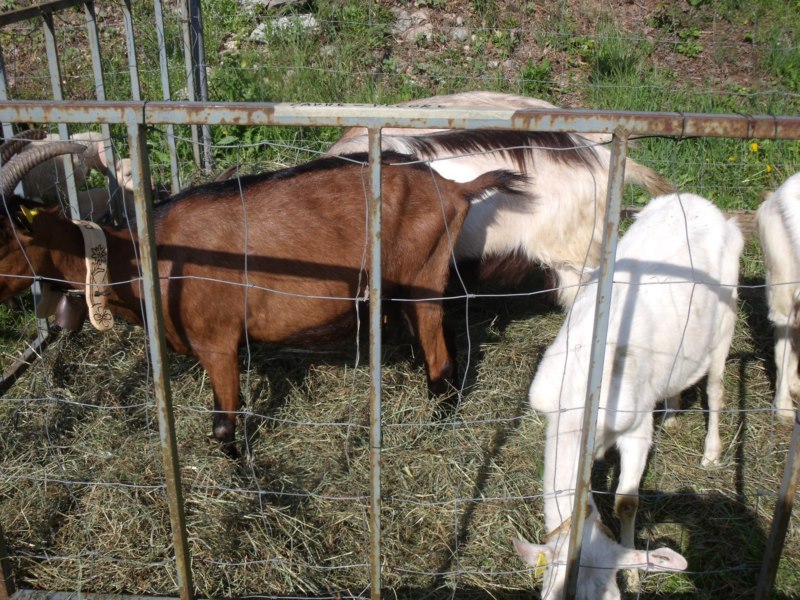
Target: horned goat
671,321
557,224
47,180
778,220
276,257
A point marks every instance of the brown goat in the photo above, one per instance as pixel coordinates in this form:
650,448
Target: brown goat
277,257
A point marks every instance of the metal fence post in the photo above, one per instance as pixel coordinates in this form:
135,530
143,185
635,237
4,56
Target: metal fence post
608,252
130,43
155,332
8,129
117,201
199,66
190,75
166,93
6,583
783,512
63,130
375,292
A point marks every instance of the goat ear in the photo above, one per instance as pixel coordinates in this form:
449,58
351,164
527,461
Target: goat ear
534,555
661,559
101,155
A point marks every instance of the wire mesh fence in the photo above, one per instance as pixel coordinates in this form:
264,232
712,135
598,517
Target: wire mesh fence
84,499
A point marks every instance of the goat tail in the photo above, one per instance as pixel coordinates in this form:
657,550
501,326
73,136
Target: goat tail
501,180
646,177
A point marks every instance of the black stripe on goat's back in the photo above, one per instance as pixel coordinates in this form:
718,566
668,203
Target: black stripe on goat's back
236,184
520,146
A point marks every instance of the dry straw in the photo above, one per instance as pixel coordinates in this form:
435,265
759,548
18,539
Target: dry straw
82,496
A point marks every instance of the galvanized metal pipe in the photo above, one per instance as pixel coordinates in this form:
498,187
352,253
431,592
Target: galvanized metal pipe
28,594
100,93
6,583
166,93
130,44
8,129
190,84
200,80
63,130
154,322
780,521
339,115
608,252
33,350
375,293
32,12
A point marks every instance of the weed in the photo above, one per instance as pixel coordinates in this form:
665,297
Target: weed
688,44
616,57
537,78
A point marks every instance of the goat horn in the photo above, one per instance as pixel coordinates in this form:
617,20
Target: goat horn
21,163
13,145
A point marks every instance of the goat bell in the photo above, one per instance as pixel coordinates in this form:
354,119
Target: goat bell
71,312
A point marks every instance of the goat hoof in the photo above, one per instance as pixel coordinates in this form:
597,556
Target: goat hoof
786,415
225,434
670,421
446,408
230,450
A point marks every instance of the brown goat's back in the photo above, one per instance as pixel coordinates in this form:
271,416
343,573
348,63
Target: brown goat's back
285,256
295,249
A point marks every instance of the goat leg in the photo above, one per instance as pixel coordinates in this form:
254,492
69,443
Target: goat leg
223,371
427,321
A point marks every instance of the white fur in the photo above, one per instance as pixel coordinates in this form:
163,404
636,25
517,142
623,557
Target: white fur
601,558
558,223
476,99
47,180
671,321
779,230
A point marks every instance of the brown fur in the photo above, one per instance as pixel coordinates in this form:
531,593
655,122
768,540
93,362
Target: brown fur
306,234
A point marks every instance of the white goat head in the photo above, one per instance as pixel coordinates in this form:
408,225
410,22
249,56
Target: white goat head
601,558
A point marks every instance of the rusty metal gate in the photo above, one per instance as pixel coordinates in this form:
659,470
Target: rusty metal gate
137,116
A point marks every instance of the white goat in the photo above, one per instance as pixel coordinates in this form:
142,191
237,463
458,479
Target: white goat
671,321
47,181
779,230
475,99
556,224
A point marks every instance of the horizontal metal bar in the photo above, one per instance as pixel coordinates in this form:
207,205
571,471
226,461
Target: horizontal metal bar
31,353
32,12
45,595
345,115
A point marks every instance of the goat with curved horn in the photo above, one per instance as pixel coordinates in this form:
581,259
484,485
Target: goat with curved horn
22,162
13,145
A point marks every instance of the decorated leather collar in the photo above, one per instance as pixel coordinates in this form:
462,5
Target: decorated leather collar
96,286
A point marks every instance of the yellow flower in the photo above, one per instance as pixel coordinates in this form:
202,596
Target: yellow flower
754,147
731,158
769,169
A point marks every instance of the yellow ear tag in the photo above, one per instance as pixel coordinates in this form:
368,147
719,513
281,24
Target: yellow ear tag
29,213
541,565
